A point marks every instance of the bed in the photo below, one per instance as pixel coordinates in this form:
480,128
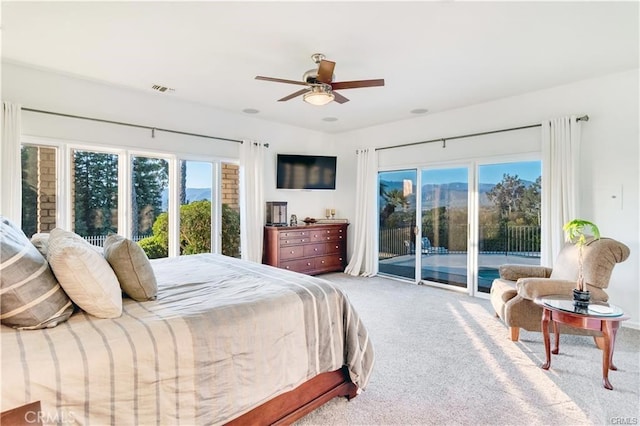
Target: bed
226,341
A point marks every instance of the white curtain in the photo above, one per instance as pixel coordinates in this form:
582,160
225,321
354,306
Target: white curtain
11,174
364,260
252,207
561,152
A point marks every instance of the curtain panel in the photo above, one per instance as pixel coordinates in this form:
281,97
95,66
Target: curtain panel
252,207
364,260
560,172
11,175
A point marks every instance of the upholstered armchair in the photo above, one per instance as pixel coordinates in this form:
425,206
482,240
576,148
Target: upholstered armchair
512,294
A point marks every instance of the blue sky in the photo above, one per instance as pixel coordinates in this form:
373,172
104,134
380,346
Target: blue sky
199,174
491,173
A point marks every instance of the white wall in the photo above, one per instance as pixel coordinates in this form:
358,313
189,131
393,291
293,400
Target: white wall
43,90
610,155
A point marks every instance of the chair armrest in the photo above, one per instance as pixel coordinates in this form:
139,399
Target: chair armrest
513,272
535,288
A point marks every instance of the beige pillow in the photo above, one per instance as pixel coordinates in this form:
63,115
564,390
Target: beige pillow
132,267
41,242
30,296
84,274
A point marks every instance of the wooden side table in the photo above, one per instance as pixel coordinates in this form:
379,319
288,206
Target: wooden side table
599,316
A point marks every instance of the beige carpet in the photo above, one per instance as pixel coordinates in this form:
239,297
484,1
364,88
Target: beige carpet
442,358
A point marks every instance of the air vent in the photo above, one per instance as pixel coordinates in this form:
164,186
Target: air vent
162,89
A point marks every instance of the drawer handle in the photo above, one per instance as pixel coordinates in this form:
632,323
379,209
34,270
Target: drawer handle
337,246
292,251
340,236
340,258
315,249
322,262
328,238
286,267
308,264
328,231
315,236
286,242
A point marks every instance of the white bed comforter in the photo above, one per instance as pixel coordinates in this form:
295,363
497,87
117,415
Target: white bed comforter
223,337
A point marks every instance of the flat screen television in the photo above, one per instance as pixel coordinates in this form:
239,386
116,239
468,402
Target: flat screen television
305,172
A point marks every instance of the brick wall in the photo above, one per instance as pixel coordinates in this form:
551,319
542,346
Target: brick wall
46,187
230,185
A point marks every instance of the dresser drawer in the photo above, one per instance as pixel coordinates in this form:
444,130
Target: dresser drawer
293,252
294,234
333,248
300,265
314,249
329,262
326,236
293,240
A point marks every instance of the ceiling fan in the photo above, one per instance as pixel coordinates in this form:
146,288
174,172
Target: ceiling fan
321,88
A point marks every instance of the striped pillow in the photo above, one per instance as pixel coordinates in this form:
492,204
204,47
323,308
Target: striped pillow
30,296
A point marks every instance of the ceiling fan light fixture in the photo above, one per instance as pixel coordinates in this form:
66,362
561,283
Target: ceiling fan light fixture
318,96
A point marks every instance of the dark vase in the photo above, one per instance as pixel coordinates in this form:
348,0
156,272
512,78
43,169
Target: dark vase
581,300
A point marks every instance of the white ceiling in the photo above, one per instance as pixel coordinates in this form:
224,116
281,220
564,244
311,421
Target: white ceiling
432,55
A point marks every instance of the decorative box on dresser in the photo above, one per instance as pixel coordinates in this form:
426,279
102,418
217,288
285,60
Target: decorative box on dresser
311,249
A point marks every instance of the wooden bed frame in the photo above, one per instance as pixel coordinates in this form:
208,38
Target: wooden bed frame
290,406
282,410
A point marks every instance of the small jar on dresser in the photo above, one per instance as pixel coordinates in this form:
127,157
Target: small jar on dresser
310,249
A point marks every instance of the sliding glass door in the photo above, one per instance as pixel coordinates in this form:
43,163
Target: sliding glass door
397,223
445,218
471,219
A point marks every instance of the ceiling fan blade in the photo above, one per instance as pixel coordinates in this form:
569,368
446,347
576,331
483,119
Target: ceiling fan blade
293,95
280,80
339,98
325,71
341,85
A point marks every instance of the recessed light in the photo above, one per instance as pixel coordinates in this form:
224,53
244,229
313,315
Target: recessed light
330,119
419,111
250,111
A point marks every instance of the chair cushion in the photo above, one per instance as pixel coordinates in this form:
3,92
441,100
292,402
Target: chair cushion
132,267
84,274
31,297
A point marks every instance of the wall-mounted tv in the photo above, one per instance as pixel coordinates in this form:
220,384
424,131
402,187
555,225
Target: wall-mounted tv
305,172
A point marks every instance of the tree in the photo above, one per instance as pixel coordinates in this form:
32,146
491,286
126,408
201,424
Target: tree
393,198
95,192
531,203
150,177
195,231
507,195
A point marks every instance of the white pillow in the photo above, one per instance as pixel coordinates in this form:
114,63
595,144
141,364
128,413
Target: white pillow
84,274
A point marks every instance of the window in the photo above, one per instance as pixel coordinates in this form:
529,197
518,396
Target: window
150,204
137,195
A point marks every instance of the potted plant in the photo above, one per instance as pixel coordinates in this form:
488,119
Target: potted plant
576,231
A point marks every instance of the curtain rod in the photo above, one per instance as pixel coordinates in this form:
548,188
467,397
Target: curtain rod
444,140
153,129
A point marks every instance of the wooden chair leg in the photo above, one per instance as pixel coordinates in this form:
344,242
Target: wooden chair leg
515,333
599,340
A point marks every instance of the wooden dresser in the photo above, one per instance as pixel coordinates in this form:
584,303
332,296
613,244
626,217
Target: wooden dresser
310,249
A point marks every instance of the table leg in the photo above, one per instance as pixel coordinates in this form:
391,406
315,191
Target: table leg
546,316
607,352
556,349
